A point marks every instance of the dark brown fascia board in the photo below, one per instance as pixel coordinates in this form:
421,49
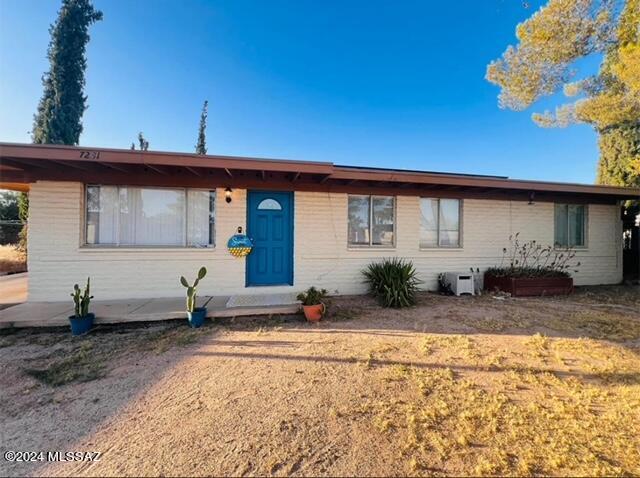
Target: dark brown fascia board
123,156
481,182
326,171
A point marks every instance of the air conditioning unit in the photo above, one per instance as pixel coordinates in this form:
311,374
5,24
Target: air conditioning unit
460,282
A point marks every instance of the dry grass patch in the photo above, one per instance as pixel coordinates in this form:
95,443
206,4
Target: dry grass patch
67,359
522,417
79,366
12,260
490,323
163,340
454,344
605,321
615,296
538,344
598,325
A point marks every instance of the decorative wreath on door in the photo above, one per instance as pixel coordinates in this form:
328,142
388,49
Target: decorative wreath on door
239,245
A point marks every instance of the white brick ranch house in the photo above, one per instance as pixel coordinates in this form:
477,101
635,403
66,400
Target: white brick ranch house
135,221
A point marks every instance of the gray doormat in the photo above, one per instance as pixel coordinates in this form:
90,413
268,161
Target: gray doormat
262,300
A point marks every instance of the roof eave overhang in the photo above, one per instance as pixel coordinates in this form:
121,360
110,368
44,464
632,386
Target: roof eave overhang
22,164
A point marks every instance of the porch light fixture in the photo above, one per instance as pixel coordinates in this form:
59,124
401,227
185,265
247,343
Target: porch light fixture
227,195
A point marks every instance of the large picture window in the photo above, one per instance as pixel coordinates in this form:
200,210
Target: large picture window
371,220
439,222
135,216
570,225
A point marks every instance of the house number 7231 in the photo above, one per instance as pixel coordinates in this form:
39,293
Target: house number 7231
89,154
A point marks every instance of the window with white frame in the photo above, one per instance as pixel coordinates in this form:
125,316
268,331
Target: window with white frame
141,216
371,220
439,222
570,225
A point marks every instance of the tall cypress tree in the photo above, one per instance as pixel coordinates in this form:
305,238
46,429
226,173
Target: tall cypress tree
201,147
58,119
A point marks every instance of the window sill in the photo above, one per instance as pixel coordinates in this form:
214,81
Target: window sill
371,248
88,248
437,249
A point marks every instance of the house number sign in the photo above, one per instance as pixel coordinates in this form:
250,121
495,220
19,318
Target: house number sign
89,154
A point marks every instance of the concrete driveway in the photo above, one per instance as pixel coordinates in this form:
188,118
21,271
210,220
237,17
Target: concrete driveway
13,289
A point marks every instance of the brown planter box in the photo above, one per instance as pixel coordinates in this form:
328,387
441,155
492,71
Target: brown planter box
522,286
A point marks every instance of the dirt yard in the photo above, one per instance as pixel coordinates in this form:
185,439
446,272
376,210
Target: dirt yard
463,386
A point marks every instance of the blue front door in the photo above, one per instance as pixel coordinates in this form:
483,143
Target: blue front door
270,226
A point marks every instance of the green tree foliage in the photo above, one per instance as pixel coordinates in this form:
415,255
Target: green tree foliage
143,144
8,206
8,212
619,155
23,215
58,119
201,147
543,62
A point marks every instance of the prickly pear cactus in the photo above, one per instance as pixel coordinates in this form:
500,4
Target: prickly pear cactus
191,289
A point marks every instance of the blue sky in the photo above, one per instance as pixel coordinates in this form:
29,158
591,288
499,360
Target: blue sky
378,83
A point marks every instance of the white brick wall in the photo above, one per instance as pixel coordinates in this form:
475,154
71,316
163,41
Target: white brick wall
322,258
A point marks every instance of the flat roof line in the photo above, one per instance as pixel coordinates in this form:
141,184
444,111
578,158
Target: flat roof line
160,153
420,171
26,162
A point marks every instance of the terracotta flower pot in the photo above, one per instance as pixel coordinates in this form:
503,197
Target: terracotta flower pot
313,313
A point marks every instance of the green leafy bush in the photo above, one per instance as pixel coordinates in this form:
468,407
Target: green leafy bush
393,282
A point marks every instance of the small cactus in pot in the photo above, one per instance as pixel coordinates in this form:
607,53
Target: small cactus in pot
82,320
196,315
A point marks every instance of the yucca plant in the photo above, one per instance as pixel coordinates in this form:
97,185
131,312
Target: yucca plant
393,282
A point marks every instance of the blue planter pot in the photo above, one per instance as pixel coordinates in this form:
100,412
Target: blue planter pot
81,325
196,318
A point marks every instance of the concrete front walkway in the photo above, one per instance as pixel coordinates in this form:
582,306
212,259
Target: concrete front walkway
52,314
